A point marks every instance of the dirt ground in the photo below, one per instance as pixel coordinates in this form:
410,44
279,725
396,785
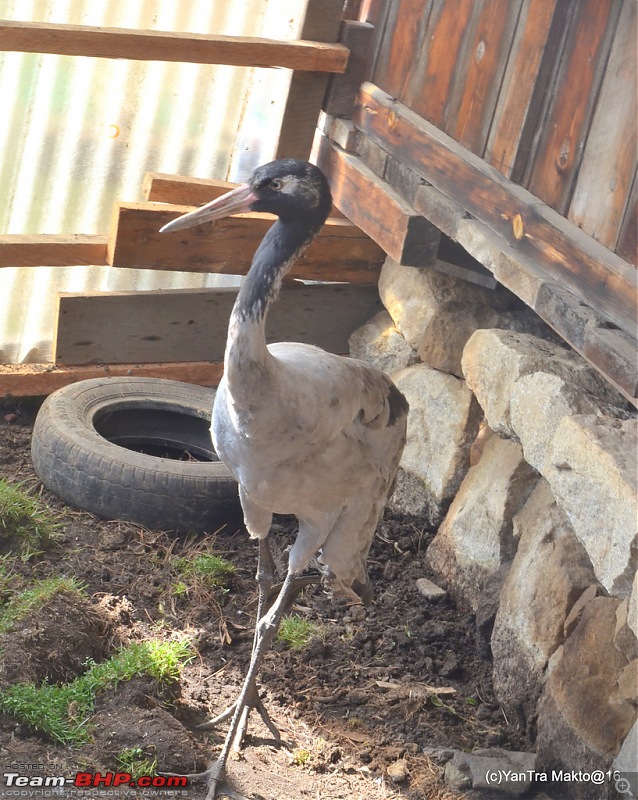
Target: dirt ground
363,702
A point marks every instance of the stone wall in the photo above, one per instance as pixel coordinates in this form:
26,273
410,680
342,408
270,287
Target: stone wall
525,459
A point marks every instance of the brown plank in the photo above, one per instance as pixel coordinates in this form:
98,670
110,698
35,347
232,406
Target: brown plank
379,211
609,160
514,103
51,250
37,380
602,279
341,252
564,130
342,89
147,45
404,29
322,22
431,79
627,246
191,325
339,131
486,54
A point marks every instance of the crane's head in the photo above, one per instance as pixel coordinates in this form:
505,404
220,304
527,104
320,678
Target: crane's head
291,189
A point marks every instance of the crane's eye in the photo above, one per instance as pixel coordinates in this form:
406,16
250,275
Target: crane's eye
276,184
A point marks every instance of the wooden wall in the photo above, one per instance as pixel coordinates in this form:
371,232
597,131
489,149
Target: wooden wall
543,90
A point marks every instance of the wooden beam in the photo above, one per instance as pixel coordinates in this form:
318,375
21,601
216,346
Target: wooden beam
51,250
342,89
379,211
611,351
341,252
147,45
322,23
542,236
37,380
191,324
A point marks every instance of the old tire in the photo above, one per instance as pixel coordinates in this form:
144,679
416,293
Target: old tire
111,446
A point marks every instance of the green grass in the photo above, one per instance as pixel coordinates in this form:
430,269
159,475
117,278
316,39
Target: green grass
205,569
27,526
35,596
135,763
62,712
295,631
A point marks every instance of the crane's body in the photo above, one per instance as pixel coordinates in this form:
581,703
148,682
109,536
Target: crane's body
303,431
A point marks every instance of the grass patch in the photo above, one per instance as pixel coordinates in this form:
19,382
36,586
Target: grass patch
27,526
136,763
205,570
62,712
295,631
35,596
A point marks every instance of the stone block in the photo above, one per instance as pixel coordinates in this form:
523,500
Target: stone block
442,424
583,717
493,360
476,537
592,473
379,343
549,574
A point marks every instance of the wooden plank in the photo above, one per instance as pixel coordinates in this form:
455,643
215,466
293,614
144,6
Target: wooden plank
564,130
514,108
322,23
479,77
191,325
38,380
485,57
342,89
609,350
51,250
148,45
431,81
186,191
404,32
341,252
388,219
609,160
627,246
339,131
603,280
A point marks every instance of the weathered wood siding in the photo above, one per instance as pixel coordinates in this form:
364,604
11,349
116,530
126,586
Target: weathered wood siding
543,90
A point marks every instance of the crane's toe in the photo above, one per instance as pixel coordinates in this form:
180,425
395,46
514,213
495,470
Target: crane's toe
253,701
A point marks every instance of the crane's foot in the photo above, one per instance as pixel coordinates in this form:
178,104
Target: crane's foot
253,701
215,779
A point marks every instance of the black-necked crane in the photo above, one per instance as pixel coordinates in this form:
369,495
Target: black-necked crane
304,432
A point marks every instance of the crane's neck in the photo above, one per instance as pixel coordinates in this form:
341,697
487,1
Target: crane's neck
247,359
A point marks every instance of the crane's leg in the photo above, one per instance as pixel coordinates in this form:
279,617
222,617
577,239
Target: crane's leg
265,632
265,579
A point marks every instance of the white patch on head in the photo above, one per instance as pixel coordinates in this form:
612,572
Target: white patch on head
292,184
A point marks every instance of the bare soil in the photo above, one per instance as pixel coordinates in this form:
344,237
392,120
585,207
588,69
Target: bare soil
366,700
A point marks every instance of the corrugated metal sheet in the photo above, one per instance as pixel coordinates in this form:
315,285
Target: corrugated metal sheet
81,132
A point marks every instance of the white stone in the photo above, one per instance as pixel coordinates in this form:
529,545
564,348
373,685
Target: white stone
436,313
429,590
442,424
549,571
592,473
476,537
538,402
493,360
379,343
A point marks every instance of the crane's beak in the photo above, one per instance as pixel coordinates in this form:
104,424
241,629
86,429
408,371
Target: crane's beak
237,201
